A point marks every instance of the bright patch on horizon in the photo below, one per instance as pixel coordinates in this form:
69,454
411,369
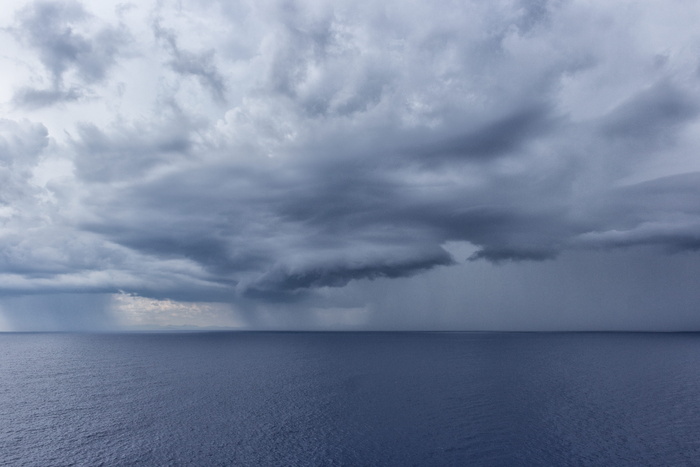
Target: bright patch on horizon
132,311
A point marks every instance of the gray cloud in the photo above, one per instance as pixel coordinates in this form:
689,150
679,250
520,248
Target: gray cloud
201,65
500,136
651,116
339,274
50,29
130,151
21,143
326,216
38,98
21,146
660,212
323,145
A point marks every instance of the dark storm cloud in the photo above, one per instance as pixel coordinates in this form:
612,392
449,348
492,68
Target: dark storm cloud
354,141
275,230
500,136
50,28
651,115
338,274
299,233
283,226
663,212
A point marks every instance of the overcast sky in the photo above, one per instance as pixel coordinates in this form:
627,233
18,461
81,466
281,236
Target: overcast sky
400,164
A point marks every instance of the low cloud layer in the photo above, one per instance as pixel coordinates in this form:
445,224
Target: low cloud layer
257,153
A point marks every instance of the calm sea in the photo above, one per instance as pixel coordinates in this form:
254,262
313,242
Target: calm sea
356,399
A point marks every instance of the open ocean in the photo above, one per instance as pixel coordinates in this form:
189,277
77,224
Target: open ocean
356,399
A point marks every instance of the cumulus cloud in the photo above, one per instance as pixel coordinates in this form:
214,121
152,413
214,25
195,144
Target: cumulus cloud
287,148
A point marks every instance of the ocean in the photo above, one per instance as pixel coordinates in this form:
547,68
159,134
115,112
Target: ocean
355,399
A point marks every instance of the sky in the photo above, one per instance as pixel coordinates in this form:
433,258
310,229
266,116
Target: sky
350,165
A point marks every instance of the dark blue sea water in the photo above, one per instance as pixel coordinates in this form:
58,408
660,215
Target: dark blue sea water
349,399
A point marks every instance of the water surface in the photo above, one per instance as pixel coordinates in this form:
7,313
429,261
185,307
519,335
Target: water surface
350,399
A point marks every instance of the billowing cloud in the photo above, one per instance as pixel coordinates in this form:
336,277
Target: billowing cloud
246,152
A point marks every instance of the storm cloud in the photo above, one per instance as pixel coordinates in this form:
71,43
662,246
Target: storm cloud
265,153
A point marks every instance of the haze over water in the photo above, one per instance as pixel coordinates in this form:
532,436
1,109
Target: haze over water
350,399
